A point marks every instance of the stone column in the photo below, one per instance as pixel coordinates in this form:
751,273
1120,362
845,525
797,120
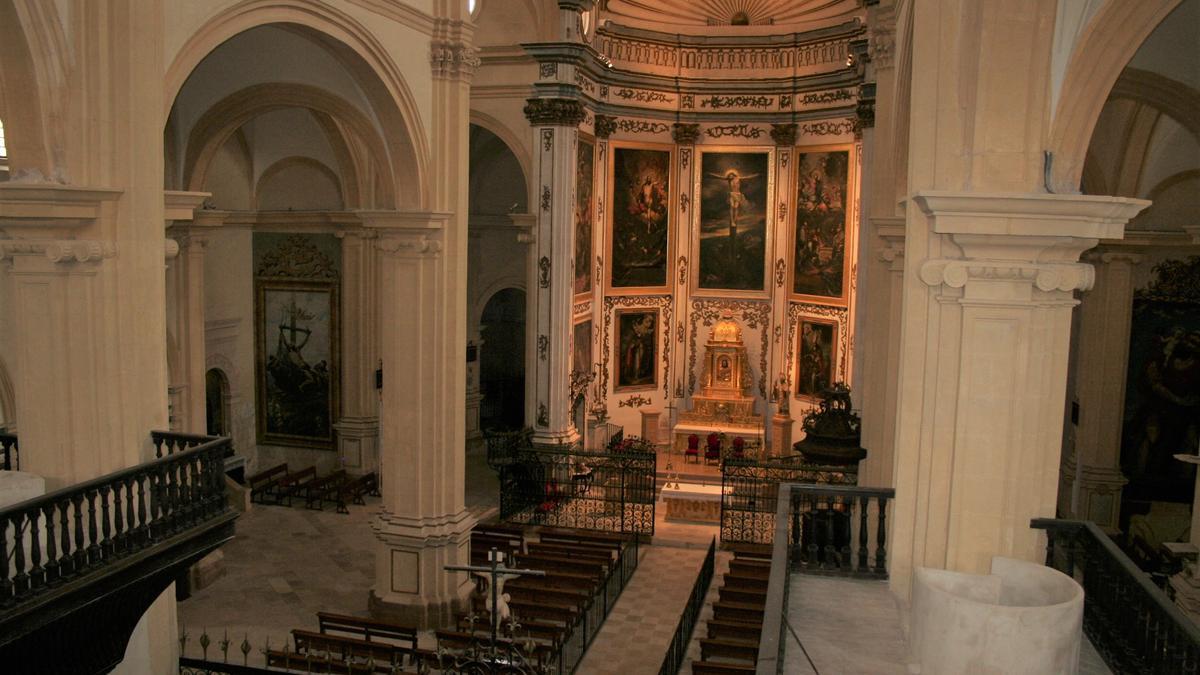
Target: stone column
980,428
556,136
474,395
185,291
881,350
358,426
1105,314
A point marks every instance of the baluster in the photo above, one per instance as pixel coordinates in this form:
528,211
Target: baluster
37,575
64,514
6,586
93,538
864,504
845,527
814,556
119,530
881,538
830,560
154,527
142,530
794,545
52,569
20,579
158,443
80,554
106,548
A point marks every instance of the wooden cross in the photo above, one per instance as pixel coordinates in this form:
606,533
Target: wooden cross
498,572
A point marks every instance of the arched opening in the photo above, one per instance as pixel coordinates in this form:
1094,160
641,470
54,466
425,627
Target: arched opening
502,361
3,154
216,402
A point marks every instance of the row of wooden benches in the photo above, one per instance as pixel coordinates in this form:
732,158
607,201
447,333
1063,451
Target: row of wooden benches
278,485
731,646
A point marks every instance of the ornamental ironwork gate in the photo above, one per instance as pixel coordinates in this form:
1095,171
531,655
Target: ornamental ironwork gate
750,494
605,491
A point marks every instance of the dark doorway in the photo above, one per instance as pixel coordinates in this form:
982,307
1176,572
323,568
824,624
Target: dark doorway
216,402
502,361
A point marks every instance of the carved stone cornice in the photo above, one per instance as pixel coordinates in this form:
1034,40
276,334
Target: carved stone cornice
408,244
453,59
684,133
864,111
784,135
63,251
554,111
50,205
955,273
605,125
881,43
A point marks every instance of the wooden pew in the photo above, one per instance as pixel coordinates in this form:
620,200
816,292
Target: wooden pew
353,491
449,639
562,564
293,483
264,483
548,631
323,488
595,555
371,630
346,648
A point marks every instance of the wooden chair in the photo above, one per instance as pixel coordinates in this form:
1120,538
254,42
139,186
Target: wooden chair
712,453
693,449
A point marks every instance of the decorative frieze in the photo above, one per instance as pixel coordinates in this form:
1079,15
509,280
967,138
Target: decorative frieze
734,131
634,402
642,96
554,111
641,127
544,272
59,251
453,59
722,102
827,128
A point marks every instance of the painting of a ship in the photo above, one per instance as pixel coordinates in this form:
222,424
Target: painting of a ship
296,363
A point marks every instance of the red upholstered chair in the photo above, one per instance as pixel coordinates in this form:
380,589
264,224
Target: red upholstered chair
693,449
712,453
739,447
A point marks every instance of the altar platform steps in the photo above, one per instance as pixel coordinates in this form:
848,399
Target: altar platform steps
733,632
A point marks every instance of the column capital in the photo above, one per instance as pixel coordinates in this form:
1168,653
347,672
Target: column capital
605,125
452,59
684,133
784,134
64,251
566,112
1105,255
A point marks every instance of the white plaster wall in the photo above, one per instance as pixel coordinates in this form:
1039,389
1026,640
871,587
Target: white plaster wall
228,178
229,305
300,187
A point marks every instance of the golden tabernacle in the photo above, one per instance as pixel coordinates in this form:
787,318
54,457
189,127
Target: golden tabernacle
724,404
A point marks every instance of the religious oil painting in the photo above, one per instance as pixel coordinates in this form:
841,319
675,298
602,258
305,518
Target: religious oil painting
584,207
296,332
637,330
820,263
735,197
816,356
641,217
1162,387
581,355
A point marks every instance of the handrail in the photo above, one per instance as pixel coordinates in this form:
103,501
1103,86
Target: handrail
770,639
1129,620
687,620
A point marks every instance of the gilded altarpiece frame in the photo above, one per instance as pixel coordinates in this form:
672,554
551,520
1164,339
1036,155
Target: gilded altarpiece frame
754,315
823,227
837,321
585,211
297,347
732,220
610,339
639,228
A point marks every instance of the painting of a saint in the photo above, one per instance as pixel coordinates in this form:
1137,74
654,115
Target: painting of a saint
581,356
297,356
584,203
636,349
733,220
816,356
819,262
640,217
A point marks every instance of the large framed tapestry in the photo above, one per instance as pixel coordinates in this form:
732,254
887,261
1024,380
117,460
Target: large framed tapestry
816,356
731,237
296,338
821,263
584,207
636,349
640,219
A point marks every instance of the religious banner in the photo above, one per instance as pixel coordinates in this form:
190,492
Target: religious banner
584,207
640,223
581,357
820,266
296,335
731,223
636,349
817,356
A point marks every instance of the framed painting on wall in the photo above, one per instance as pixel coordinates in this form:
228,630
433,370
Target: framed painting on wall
581,354
816,356
636,349
296,331
639,235
820,262
584,208
731,233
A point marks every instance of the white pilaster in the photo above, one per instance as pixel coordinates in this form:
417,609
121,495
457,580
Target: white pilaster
358,425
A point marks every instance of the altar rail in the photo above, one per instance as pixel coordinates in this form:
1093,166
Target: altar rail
750,492
78,530
602,491
1129,620
10,455
687,621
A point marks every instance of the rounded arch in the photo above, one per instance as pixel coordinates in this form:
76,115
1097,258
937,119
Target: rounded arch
33,66
294,161
376,72
1169,97
490,292
214,128
1109,42
217,406
509,138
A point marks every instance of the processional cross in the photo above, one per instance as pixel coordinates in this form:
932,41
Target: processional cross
498,574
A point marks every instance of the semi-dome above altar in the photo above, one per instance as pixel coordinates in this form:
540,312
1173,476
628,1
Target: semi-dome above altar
691,15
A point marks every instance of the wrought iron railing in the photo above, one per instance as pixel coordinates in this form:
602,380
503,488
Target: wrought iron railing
589,621
771,639
70,534
504,446
691,612
603,491
10,454
1129,620
750,489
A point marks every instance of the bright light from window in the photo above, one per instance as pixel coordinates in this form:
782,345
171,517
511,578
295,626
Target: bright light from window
471,6
3,147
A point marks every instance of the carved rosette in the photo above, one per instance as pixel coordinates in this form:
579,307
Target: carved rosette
555,111
685,134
